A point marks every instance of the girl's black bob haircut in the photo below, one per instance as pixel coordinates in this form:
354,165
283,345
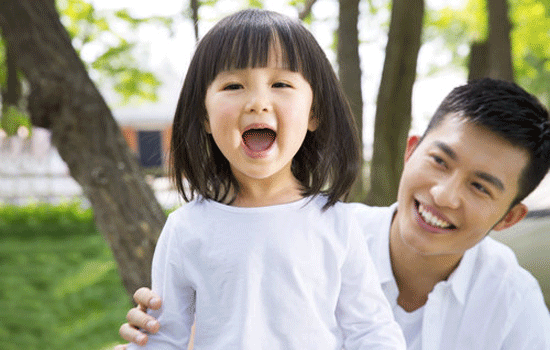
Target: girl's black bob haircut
329,158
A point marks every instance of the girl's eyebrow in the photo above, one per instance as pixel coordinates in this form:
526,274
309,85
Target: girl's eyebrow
493,180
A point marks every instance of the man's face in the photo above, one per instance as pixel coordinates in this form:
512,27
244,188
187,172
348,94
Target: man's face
457,184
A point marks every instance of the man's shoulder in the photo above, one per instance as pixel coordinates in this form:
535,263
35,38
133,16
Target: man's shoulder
509,296
498,262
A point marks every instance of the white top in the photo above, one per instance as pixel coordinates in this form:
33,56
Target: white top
488,302
411,324
286,277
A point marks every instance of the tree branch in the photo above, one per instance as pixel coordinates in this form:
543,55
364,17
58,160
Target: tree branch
64,99
306,10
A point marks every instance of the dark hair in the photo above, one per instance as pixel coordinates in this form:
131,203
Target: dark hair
328,160
510,112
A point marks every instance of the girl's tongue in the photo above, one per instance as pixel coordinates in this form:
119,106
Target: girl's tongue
258,140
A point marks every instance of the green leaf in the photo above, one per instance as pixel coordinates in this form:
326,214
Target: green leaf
110,52
12,119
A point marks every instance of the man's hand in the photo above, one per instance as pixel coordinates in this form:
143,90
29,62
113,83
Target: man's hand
139,319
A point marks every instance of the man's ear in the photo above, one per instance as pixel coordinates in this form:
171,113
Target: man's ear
511,218
412,142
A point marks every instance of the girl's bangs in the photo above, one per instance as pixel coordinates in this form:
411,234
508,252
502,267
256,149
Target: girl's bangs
250,47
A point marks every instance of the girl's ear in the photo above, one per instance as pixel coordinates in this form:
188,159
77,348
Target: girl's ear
313,123
207,126
512,217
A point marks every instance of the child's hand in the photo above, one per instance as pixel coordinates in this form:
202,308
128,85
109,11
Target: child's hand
139,319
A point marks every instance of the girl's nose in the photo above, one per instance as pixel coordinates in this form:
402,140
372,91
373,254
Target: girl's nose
258,102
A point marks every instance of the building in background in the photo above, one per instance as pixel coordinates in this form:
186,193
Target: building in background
147,131
32,170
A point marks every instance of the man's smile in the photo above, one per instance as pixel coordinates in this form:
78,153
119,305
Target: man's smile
430,217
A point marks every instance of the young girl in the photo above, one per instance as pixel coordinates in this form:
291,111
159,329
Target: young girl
264,256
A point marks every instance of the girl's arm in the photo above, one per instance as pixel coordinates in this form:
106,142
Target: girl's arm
363,312
178,296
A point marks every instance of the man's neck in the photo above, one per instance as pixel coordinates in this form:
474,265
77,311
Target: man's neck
415,274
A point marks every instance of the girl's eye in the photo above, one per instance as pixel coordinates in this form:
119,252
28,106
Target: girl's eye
280,85
233,87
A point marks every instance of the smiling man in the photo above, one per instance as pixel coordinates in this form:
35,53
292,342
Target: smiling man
452,287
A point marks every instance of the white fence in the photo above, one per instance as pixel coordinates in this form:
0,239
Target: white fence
31,170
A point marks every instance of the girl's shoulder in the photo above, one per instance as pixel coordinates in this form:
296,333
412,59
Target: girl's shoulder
189,210
341,214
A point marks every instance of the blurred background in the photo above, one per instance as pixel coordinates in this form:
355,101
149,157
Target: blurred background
88,91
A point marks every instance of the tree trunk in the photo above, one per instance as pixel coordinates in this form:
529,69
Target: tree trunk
12,91
478,66
195,17
393,106
349,71
500,50
65,100
493,57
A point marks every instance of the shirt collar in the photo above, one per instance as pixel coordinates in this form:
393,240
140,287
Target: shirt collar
460,278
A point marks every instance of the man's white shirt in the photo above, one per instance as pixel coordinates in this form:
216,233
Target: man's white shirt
488,302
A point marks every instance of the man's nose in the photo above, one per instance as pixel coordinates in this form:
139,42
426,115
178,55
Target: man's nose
447,192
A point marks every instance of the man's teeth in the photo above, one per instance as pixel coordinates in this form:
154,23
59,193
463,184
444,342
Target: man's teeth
432,219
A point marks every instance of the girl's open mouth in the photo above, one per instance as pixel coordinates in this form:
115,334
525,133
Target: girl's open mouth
259,140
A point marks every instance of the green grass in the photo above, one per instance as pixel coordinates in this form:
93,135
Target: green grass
60,287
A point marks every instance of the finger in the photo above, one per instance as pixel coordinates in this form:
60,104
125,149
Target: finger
137,318
121,347
147,299
133,335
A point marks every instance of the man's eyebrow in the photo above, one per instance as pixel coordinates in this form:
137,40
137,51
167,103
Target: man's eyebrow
447,150
493,180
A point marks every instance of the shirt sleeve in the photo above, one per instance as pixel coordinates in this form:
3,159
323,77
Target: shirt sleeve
363,312
531,329
169,280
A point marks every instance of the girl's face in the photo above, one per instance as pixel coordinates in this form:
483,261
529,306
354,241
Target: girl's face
258,118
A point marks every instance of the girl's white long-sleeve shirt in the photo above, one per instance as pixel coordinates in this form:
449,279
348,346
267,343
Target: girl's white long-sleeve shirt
289,276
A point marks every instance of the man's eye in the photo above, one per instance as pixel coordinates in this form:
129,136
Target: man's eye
280,85
233,87
439,160
480,187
